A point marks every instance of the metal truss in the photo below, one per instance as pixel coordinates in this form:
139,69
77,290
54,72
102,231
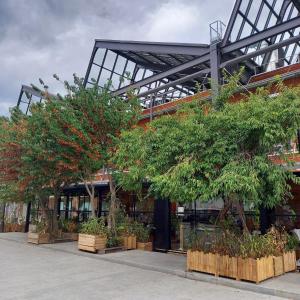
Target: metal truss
27,96
261,35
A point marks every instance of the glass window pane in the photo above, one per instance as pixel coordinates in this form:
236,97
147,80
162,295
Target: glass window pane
98,59
120,65
110,60
130,68
94,72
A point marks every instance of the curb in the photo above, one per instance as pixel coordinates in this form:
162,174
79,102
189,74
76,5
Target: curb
183,274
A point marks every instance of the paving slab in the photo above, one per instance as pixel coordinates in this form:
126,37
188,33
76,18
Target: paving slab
287,286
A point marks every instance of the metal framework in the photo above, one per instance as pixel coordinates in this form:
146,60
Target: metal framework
261,35
27,96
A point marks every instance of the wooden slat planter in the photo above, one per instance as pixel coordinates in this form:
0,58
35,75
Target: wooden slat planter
289,261
144,246
91,243
226,266
255,270
129,242
278,265
38,238
201,262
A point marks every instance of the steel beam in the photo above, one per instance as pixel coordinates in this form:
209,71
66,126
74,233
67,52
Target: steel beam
164,48
173,83
231,22
273,47
164,74
265,34
297,4
215,68
88,71
32,91
280,17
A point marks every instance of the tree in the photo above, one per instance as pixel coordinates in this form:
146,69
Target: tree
11,134
84,126
216,150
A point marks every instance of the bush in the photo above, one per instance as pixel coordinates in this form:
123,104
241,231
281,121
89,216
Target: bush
226,242
113,241
68,226
292,243
94,226
141,232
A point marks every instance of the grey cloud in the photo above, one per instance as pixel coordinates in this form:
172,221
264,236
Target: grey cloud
42,37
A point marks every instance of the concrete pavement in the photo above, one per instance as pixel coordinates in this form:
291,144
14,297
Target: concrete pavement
60,271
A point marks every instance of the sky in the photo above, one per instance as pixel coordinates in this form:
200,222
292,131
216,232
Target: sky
39,38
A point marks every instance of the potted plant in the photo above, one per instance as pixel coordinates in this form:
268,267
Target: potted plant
289,255
142,236
69,230
39,234
93,235
242,256
114,242
129,234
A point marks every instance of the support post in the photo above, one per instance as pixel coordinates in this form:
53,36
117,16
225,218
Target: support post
215,69
27,221
3,217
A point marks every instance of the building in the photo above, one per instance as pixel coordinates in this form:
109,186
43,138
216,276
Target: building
263,36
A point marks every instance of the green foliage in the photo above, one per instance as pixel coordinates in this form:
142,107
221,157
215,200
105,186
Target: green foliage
292,242
94,226
41,226
233,244
204,152
113,240
141,231
68,226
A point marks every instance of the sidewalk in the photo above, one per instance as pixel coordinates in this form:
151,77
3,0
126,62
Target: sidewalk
287,286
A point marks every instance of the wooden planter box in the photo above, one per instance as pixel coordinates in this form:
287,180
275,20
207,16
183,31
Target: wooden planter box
144,246
38,238
255,270
289,261
129,242
226,266
70,236
91,243
278,265
201,262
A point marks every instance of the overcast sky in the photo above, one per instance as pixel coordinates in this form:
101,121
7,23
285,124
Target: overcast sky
41,37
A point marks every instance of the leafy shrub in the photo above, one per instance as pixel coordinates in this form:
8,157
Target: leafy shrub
226,242
113,240
292,242
141,231
68,226
41,226
94,226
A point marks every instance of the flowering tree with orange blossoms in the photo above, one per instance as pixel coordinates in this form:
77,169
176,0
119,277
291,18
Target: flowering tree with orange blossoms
85,125
11,133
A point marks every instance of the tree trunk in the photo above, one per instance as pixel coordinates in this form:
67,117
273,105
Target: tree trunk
223,212
241,212
54,214
113,206
43,202
91,191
